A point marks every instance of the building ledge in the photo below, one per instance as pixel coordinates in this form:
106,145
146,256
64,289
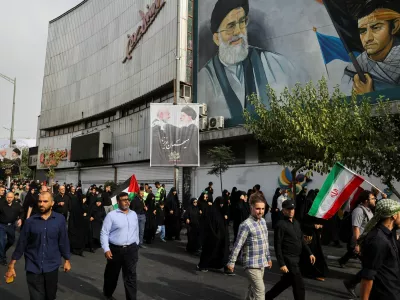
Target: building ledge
224,134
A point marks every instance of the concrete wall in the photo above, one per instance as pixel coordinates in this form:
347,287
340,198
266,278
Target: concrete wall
84,73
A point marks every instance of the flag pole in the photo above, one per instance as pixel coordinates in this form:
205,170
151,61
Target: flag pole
326,67
350,53
366,181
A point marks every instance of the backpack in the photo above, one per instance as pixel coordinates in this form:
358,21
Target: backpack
346,227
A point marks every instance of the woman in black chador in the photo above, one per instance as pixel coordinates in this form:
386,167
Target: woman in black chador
97,216
312,229
76,221
172,218
215,253
241,212
87,228
151,221
192,219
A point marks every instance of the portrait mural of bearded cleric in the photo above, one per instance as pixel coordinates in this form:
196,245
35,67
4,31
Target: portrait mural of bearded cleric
378,23
238,69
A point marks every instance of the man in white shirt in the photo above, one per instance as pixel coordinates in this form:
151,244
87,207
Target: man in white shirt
120,242
282,198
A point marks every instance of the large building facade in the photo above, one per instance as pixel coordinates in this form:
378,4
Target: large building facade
106,62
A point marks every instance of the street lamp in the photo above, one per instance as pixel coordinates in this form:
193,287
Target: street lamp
14,82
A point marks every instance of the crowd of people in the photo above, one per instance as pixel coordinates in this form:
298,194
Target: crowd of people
86,221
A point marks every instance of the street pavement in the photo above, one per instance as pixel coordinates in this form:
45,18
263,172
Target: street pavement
166,271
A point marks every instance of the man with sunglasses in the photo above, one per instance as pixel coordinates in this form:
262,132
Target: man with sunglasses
238,69
120,241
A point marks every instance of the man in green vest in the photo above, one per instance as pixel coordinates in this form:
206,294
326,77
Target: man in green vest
160,195
146,191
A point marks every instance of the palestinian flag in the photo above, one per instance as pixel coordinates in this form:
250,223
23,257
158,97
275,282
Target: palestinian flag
130,186
338,187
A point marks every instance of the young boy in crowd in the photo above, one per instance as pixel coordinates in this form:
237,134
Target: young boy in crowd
161,220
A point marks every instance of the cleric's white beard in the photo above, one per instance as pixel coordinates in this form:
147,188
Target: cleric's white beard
233,54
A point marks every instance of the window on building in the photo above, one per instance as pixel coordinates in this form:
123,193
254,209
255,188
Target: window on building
106,120
94,123
130,111
143,106
52,133
76,128
112,118
56,132
47,133
70,129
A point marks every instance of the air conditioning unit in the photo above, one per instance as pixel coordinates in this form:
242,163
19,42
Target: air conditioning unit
186,91
203,110
216,123
203,124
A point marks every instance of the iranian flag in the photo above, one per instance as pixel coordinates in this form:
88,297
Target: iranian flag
340,185
130,186
351,204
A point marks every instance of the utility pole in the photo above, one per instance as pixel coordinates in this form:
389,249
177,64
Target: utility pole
14,82
177,83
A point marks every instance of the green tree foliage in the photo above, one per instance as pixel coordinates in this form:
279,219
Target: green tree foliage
50,161
26,172
112,184
381,153
309,128
222,157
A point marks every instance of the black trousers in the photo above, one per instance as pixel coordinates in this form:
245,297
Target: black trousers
7,239
42,286
125,258
293,279
349,254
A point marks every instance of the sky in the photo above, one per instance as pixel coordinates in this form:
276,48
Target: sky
23,33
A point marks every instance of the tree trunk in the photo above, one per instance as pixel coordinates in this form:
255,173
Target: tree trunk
220,178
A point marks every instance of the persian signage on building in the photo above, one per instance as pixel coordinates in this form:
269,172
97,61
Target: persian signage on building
147,20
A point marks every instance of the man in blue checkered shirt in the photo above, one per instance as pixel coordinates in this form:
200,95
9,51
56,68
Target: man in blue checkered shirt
253,238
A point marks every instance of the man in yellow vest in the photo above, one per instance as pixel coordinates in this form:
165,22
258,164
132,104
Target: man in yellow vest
160,195
146,191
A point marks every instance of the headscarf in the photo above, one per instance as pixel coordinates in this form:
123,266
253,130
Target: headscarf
215,218
380,14
385,208
172,201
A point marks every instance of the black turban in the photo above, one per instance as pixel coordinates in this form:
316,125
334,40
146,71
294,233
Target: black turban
224,7
190,112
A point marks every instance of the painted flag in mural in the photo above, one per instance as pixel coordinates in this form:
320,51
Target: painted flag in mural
332,48
342,16
130,186
340,184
